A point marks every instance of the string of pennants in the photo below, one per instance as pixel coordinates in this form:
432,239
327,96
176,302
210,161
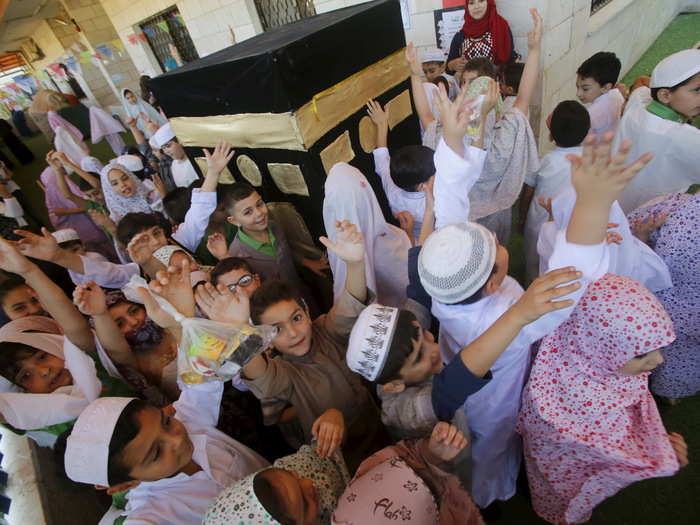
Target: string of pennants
152,31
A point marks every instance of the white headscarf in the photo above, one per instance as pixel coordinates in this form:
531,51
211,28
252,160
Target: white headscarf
141,106
118,205
91,164
28,411
350,197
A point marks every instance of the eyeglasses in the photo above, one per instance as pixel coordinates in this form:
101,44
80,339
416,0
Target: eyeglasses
243,282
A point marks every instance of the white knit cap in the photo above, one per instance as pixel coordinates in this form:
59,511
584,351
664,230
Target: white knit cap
65,235
370,340
456,261
153,142
87,447
433,55
164,135
130,162
676,68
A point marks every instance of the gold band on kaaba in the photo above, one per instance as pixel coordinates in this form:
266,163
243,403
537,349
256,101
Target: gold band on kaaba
330,107
245,130
300,130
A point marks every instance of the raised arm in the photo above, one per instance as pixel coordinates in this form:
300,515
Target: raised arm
51,296
350,247
599,178
216,163
531,71
90,300
419,99
381,122
538,300
89,177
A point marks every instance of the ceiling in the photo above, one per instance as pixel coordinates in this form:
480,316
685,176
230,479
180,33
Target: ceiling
21,19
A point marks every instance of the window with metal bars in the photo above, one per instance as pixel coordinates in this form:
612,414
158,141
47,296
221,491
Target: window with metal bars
596,5
275,13
169,39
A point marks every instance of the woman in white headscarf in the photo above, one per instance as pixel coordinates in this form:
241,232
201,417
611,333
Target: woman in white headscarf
140,110
350,197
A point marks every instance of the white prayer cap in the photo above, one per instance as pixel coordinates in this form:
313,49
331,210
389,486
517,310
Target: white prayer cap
456,261
153,143
130,162
164,135
676,68
433,55
164,253
65,235
370,340
87,447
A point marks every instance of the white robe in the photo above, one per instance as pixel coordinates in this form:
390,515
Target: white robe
632,258
605,112
552,178
676,162
492,412
183,499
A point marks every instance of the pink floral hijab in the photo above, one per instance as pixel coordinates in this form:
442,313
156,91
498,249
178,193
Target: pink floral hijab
588,430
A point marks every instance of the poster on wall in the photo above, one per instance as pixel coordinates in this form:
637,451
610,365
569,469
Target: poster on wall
447,22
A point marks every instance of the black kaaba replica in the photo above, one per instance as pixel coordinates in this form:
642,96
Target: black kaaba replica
292,101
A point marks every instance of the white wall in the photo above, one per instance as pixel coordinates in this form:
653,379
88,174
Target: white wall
212,24
48,43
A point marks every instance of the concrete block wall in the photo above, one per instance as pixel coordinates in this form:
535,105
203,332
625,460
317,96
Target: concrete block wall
212,24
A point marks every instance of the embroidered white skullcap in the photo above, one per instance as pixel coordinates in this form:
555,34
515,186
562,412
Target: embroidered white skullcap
65,235
164,253
130,162
87,447
91,164
433,55
370,340
164,135
676,68
456,261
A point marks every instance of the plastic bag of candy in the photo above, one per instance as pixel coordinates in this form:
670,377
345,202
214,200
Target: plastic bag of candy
209,350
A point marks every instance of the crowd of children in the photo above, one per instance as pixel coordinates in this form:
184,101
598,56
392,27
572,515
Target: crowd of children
408,377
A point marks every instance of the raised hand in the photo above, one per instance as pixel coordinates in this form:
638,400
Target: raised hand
139,248
53,161
159,184
546,203
328,430
217,245
598,176
217,161
406,221
446,441
102,220
42,246
412,59
11,260
154,311
222,305
174,285
540,297
378,115
534,37
90,299
131,122
611,236
455,117
349,244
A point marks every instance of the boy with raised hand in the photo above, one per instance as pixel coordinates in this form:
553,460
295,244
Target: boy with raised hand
172,460
308,379
464,269
143,234
391,348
